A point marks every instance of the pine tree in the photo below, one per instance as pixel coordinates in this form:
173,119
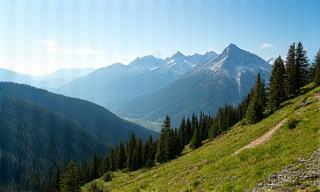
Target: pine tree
196,139
70,178
106,164
139,152
55,180
182,133
130,151
169,145
121,158
257,103
177,147
149,153
302,66
113,159
276,83
95,164
291,72
317,69
161,155
189,132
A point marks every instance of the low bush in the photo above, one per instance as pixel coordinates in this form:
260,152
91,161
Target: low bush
292,123
107,177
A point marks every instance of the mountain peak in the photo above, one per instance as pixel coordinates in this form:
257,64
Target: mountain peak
232,45
234,61
178,54
146,62
230,48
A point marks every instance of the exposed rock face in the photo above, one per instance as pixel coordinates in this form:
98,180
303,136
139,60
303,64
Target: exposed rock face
301,175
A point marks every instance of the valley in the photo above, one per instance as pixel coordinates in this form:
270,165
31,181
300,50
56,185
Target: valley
159,96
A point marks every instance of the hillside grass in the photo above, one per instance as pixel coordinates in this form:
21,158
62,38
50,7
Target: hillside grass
213,167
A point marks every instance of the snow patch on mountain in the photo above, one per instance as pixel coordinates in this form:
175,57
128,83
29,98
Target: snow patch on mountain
234,63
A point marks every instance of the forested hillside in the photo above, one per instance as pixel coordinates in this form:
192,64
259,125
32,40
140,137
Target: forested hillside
33,141
41,131
93,118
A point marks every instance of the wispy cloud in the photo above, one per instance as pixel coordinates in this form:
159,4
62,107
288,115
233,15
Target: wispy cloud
266,46
53,46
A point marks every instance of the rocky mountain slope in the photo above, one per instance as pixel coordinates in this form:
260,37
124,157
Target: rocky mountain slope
205,87
117,83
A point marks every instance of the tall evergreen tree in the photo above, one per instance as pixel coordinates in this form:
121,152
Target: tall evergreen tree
177,147
149,153
55,180
170,150
196,139
317,69
121,160
188,130
139,152
70,178
161,155
277,86
182,134
113,159
291,72
257,104
130,151
302,66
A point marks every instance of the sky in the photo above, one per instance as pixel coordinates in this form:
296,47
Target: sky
41,36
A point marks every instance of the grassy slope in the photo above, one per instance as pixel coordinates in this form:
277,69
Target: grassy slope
213,167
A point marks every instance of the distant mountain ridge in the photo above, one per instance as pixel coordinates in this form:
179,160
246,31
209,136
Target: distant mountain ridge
50,81
117,83
206,87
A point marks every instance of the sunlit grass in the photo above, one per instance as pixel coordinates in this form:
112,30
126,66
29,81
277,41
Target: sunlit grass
213,167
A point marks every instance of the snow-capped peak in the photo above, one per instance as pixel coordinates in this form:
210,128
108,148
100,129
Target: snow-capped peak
178,55
180,63
146,63
234,63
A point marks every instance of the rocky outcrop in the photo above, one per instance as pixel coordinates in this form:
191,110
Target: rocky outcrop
302,175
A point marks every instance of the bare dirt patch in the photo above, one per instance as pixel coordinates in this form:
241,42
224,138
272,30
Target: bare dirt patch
317,96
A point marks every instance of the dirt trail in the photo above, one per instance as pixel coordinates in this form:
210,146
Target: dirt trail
263,139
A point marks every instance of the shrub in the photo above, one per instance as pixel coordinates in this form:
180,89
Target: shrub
107,177
292,123
94,188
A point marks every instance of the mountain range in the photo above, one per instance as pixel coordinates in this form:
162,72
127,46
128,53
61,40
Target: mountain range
117,83
148,88
224,79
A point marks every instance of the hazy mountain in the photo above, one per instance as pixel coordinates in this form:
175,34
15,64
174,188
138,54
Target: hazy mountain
11,76
117,83
50,81
60,77
206,87
93,118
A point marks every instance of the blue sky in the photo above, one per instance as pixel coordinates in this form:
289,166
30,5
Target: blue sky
40,36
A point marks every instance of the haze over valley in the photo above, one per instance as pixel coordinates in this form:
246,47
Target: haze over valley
159,95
